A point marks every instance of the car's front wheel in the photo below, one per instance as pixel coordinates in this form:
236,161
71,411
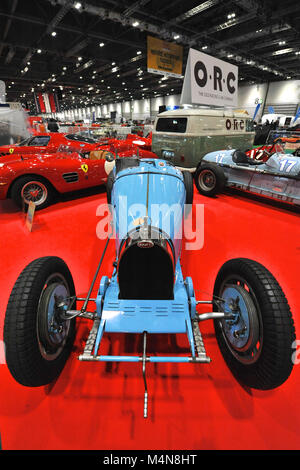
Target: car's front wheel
38,341
258,342
189,186
209,180
32,189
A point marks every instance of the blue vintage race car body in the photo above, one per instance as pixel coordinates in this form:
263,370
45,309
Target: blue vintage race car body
140,190
147,293
147,284
278,177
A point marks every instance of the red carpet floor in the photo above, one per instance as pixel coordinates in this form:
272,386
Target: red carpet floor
98,406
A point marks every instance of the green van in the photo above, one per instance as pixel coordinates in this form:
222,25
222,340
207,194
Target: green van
184,136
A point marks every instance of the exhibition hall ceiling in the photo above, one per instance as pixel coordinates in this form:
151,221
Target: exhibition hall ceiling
95,52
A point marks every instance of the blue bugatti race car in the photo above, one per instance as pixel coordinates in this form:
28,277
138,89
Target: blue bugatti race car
277,178
147,294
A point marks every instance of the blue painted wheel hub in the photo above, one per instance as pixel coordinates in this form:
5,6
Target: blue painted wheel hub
52,331
55,329
242,330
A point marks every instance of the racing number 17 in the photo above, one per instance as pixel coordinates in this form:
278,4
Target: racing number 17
219,158
287,165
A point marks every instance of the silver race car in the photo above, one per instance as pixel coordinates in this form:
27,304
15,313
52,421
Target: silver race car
277,178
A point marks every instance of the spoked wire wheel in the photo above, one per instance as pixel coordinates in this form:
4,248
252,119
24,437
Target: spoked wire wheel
34,191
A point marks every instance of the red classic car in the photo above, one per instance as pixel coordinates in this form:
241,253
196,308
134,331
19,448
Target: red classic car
281,141
50,143
40,176
280,145
54,141
132,142
261,153
141,142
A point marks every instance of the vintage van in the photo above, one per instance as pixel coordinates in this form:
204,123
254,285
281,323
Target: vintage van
184,136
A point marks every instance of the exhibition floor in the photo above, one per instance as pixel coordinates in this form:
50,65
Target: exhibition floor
98,406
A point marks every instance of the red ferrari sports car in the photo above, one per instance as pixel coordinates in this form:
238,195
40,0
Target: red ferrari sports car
141,142
132,142
38,177
54,141
50,143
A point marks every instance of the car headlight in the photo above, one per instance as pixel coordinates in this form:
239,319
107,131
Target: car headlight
167,154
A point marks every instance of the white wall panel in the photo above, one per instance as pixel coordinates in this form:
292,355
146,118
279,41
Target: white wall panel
249,96
275,93
284,96
284,92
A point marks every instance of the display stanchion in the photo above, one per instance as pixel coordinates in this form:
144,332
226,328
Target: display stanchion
30,216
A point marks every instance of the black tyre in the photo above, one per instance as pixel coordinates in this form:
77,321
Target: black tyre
189,187
37,343
257,344
32,188
209,179
109,185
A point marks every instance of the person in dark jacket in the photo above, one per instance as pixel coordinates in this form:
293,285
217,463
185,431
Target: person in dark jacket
52,125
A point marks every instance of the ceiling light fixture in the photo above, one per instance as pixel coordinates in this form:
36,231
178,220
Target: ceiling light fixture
53,33
283,51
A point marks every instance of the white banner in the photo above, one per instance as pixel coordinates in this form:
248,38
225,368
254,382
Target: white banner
47,102
209,81
2,91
